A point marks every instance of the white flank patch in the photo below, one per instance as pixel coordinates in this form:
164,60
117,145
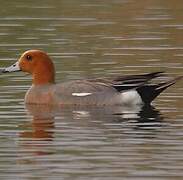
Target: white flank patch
131,98
81,94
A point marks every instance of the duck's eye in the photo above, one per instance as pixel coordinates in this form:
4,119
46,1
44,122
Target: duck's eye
29,58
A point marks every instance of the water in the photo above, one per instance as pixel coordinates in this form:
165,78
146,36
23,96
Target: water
91,39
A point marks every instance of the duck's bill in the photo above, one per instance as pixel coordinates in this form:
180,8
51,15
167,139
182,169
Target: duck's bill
13,68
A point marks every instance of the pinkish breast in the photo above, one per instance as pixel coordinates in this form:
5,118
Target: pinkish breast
40,95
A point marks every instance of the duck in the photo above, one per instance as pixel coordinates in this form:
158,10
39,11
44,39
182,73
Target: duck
120,90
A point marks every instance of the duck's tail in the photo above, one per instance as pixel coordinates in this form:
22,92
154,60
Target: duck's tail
150,91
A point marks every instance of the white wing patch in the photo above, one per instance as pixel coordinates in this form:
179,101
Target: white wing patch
81,94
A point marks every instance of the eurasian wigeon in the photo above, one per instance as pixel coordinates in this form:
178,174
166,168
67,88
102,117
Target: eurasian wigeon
124,90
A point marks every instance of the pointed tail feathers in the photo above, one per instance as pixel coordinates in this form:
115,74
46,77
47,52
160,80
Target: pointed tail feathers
149,92
134,81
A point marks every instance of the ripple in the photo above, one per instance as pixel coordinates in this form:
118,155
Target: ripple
87,39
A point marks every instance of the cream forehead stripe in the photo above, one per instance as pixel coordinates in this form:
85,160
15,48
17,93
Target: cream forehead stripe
81,94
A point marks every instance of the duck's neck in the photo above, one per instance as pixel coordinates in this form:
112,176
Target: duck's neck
43,77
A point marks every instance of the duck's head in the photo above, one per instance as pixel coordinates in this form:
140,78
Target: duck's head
37,63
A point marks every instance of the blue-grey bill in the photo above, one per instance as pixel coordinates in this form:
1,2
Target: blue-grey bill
13,68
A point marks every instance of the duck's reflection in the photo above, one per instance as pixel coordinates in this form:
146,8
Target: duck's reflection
38,135
140,114
41,127
145,117
149,114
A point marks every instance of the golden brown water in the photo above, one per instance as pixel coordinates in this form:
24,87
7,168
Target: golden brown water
87,39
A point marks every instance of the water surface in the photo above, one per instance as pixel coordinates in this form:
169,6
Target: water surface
91,39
